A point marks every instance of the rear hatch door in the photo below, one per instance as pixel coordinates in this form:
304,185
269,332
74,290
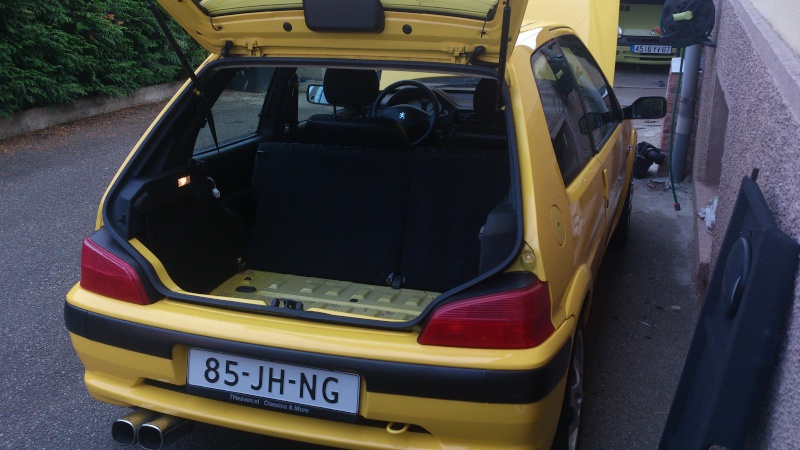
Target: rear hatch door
413,30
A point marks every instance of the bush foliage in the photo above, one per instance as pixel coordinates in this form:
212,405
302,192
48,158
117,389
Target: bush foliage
56,51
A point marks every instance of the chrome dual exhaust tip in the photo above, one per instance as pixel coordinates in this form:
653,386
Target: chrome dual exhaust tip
125,429
162,431
152,430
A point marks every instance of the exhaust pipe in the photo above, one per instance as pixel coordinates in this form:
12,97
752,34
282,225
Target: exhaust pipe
125,428
162,431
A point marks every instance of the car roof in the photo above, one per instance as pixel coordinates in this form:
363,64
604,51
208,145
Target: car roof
594,21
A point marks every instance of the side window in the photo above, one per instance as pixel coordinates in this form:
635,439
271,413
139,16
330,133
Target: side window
562,109
236,112
592,87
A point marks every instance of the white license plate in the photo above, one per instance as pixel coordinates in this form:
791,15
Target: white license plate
273,385
656,49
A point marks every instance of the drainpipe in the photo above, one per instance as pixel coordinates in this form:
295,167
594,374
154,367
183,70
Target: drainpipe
683,129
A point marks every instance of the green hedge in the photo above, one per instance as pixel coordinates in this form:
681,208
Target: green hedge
56,51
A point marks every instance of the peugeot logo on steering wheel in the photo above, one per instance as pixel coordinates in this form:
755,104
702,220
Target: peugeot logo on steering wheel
402,116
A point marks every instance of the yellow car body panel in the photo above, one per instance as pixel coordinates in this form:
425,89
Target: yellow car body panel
117,376
580,205
630,138
311,336
450,424
433,37
479,426
565,231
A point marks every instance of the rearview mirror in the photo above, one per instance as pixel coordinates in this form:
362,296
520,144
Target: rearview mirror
316,95
646,108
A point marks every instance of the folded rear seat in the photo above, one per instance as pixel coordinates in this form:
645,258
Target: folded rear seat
453,191
331,212
375,216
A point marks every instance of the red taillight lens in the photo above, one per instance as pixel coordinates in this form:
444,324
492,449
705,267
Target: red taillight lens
514,319
105,274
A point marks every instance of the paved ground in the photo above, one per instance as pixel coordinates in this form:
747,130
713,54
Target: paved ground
641,323
632,82
645,304
50,184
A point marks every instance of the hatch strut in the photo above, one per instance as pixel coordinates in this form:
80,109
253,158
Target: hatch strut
198,88
501,62
501,68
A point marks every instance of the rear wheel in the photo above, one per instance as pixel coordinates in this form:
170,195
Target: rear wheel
570,419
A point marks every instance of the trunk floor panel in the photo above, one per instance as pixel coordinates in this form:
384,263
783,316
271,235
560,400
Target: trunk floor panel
343,297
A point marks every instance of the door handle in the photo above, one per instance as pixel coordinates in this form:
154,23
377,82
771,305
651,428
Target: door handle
605,186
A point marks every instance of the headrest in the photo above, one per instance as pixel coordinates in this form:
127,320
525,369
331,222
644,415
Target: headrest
483,100
350,87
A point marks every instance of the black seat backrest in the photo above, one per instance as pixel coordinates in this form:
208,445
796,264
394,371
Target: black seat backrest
329,211
484,102
489,132
453,191
356,131
421,220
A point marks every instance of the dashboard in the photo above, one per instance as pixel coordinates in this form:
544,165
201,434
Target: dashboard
453,105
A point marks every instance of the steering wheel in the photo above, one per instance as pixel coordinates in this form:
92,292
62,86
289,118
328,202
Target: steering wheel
416,122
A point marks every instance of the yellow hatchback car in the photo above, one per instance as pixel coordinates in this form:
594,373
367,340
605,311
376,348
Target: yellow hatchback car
361,224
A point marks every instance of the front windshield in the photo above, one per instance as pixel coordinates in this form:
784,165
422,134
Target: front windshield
451,81
430,78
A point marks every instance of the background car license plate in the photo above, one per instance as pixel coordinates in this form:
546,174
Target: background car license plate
658,49
270,381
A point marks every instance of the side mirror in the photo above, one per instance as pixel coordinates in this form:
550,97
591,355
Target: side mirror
646,108
316,95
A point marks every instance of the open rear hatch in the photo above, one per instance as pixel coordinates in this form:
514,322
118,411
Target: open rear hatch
326,229
432,31
348,231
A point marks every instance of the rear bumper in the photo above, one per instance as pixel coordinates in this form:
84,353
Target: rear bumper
133,364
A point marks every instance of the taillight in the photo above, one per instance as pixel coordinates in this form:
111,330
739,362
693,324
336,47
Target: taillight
513,319
104,273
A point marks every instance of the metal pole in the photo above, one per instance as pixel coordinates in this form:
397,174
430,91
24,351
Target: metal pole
683,129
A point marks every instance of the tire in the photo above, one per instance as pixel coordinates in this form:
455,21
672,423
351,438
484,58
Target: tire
570,419
620,236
